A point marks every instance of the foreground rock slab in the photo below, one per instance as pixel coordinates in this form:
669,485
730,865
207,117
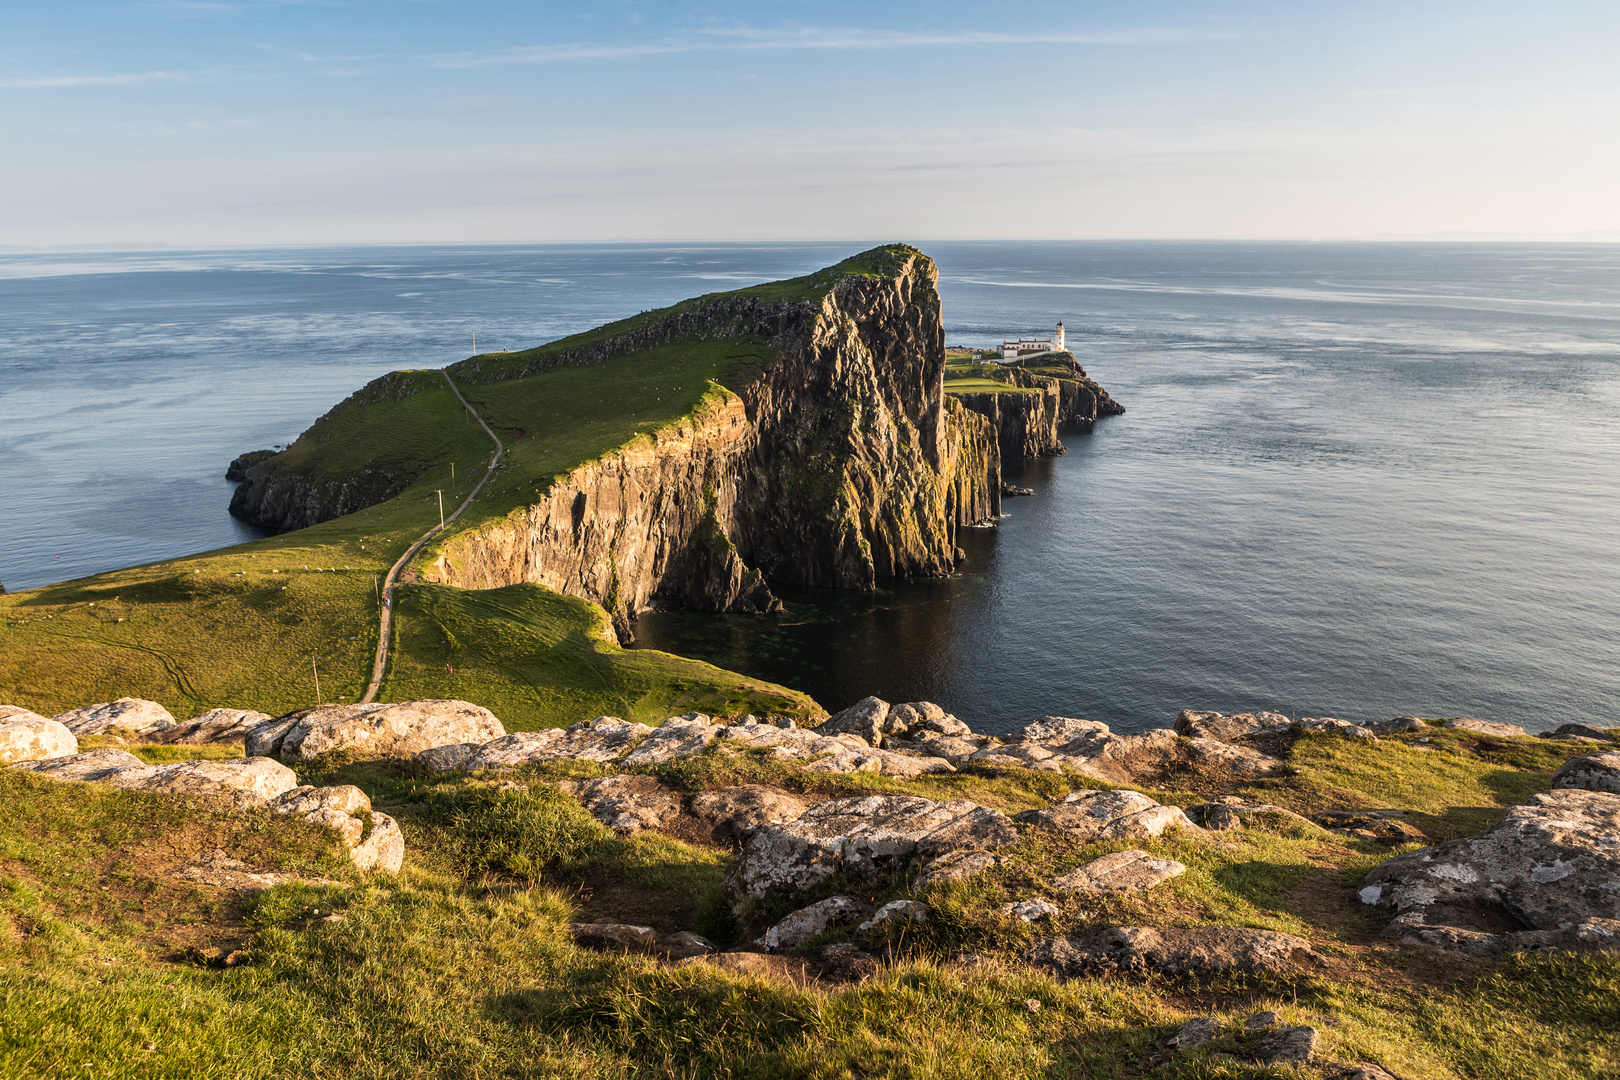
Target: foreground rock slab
1109,815
1204,950
1543,877
801,926
1120,872
213,727
398,730
134,715
220,870
26,736
860,837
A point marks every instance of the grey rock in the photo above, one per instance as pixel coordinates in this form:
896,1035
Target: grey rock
213,726
1582,731
627,804
1325,725
802,925
1227,812
867,718
731,814
1194,1033
860,837
343,798
383,850
1225,727
603,739
955,866
134,715
1203,950
1380,826
1120,872
683,944
89,766
218,869
1548,867
906,910
1487,727
614,936
1109,815
17,712
1267,1019
1238,760
266,739
1367,1070
1401,725
677,737
389,730
1286,1046
1030,910
25,736
1597,772
452,758
842,753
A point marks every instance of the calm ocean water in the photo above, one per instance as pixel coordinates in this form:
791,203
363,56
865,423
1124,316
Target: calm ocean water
1354,480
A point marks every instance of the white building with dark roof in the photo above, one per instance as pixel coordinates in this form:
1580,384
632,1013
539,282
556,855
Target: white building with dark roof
1012,350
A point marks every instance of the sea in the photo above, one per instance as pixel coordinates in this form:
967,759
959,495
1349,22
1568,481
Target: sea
1353,480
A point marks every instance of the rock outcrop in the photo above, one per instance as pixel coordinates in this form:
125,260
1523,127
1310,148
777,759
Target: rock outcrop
374,840
1120,872
1202,950
1544,877
212,727
26,736
399,730
860,837
135,716
1026,417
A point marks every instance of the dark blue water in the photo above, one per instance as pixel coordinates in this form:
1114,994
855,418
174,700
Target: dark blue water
1354,480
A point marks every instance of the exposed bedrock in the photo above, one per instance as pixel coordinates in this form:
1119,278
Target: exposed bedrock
1026,424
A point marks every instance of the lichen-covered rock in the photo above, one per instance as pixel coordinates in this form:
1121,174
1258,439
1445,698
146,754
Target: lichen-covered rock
955,866
731,814
799,927
135,715
384,849
907,910
627,804
1030,910
219,869
1109,815
684,944
395,730
604,738
614,936
1401,725
1327,725
1120,872
1596,772
1548,867
266,739
305,799
1286,1046
1226,727
251,780
1380,826
1226,812
1487,727
1201,950
859,837
86,767
213,726
452,758
1581,731
677,737
823,753
25,736
1195,1032
867,718
17,712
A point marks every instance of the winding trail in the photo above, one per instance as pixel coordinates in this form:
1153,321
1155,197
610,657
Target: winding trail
385,633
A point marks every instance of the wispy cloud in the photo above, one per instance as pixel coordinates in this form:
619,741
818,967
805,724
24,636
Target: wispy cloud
52,82
745,38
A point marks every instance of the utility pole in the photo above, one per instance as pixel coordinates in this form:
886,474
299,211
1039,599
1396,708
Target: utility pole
452,472
317,674
441,509
376,589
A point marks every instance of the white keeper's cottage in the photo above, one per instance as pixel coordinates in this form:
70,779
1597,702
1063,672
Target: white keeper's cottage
1011,350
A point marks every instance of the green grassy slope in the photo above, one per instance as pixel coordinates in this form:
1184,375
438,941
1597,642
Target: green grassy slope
239,626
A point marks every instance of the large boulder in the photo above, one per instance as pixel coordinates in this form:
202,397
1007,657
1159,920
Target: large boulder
627,804
136,716
867,718
383,849
730,815
248,781
1487,727
823,753
859,838
602,739
1597,772
677,737
1224,727
1200,950
1109,815
213,726
25,736
17,712
389,730
1546,876
1120,872
799,927
86,767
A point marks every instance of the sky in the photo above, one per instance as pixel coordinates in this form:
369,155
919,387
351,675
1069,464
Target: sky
238,122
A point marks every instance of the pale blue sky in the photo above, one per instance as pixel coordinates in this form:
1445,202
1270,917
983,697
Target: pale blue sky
214,123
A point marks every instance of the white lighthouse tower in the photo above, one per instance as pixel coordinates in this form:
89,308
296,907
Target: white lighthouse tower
1057,339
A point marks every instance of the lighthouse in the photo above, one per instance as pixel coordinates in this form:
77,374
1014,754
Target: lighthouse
1057,338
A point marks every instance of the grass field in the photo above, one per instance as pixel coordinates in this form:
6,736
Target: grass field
463,966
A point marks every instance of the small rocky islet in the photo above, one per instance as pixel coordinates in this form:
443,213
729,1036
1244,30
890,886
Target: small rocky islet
846,875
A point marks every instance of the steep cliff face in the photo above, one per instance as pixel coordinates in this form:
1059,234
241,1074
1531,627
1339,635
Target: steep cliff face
646,524
1027,424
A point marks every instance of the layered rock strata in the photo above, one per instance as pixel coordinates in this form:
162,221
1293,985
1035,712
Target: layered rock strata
1027,418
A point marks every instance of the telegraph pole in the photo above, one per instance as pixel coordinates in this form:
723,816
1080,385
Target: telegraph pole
317,674
441,509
